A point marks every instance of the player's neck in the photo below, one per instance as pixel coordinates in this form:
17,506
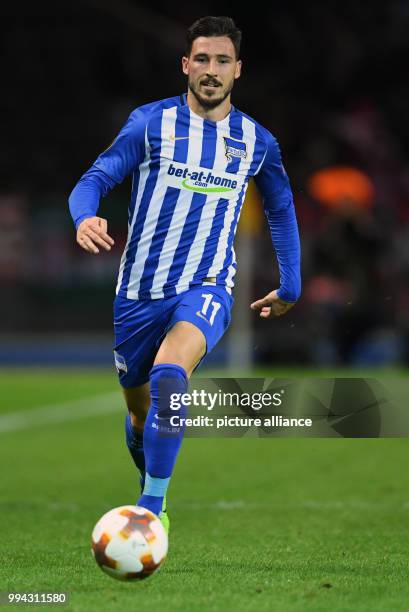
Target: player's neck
214,114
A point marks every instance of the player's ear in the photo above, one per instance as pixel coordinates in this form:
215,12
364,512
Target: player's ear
185,63
238,69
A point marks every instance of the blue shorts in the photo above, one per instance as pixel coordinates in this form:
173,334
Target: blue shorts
141,325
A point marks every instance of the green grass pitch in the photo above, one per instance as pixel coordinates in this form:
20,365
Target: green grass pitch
257,524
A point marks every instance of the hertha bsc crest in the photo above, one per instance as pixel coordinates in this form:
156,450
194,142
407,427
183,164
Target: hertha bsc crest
234,148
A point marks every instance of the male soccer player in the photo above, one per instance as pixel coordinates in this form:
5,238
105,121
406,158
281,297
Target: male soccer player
190,158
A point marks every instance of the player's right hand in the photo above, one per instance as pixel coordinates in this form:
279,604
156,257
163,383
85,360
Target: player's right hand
92,232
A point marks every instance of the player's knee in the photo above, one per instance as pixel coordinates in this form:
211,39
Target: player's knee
184,345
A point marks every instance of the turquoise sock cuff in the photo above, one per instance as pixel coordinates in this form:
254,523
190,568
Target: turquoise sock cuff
156,487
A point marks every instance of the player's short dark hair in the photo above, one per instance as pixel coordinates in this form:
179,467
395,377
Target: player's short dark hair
214,26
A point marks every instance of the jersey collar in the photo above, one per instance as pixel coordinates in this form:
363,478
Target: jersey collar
183,101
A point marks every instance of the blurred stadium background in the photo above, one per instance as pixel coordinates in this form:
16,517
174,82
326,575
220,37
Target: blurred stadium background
328,79
325,78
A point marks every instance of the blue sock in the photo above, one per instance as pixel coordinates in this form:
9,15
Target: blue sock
134,442
161,440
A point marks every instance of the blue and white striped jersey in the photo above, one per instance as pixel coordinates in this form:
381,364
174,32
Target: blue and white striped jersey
190,177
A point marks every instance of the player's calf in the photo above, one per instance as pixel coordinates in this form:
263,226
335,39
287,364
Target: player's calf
138,402
162,437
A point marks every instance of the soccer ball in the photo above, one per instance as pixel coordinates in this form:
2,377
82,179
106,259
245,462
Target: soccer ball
129,543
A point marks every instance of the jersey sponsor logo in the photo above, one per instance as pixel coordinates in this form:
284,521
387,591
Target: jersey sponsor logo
200,180
199,314
120,363
234,148
172,137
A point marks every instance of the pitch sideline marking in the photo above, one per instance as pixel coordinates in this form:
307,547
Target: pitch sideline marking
74,410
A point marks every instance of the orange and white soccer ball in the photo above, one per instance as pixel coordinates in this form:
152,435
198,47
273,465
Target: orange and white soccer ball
129,543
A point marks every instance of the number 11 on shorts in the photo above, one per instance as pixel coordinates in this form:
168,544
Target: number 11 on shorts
208,300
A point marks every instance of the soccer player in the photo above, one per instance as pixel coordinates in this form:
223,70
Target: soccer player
191,158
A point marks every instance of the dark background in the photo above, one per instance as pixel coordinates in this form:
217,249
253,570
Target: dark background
328,79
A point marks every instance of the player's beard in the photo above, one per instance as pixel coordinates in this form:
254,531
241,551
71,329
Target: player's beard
210,103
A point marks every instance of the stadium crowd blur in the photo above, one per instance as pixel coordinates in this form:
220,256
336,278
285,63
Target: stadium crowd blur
328,79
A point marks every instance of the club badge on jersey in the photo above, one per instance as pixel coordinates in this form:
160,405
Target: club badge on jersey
235,148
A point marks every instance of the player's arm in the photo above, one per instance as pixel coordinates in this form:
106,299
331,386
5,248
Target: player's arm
92,231
275,189
112,166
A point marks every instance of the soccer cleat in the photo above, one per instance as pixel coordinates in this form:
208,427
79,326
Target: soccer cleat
164,517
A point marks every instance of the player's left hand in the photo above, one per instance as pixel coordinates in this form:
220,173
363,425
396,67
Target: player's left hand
271,305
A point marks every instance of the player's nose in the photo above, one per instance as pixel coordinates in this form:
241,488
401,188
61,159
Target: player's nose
212,68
